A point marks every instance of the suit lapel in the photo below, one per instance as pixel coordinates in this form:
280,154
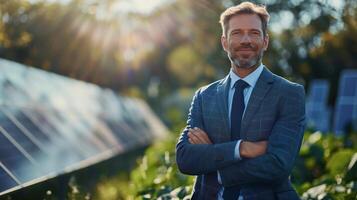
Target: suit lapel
261,88
222,97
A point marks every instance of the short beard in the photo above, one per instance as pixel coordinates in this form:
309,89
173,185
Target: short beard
246,65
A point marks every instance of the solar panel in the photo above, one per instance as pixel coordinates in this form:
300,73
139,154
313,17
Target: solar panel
317,111
7,179
13,156
346,103
27,141
51,125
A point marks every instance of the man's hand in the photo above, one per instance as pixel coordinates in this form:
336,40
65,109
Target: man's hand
252,149
198,136
246,149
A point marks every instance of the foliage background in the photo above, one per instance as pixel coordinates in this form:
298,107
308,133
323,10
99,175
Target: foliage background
165,53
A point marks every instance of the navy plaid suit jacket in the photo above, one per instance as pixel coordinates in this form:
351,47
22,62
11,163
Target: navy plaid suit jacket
275,112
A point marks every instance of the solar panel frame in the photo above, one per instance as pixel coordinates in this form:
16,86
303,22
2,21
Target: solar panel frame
8,180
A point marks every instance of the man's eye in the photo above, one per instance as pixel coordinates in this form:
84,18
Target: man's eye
237,33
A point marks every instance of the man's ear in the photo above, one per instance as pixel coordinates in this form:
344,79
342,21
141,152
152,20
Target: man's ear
224,42
266,42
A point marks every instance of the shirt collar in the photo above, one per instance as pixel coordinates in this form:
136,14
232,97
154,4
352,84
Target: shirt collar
251,79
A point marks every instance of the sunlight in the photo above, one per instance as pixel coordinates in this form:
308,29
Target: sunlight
139,6
123,6
124,28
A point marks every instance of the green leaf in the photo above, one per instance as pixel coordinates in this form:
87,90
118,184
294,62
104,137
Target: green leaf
339,162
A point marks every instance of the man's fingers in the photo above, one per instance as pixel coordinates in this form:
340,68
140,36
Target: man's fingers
194,138
203,135
199,136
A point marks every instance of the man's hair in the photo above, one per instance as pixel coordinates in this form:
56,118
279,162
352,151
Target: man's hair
244,8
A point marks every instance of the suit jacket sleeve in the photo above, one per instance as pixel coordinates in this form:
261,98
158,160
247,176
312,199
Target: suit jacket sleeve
197,159
283,145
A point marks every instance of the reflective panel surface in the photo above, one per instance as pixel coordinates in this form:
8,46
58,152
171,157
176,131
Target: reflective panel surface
51,125
346,103
317,112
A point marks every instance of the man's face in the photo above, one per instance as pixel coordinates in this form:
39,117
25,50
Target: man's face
244,41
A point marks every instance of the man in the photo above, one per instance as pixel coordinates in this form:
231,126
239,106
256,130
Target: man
243,132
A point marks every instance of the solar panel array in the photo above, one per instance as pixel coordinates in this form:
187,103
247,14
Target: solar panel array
346,103
51,125
317,112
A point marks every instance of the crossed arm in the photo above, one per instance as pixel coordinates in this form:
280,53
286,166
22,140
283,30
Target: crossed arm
247,149
263,162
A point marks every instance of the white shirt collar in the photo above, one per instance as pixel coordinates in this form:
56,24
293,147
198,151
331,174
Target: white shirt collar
251,79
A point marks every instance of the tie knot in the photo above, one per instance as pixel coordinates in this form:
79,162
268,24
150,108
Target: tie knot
240,84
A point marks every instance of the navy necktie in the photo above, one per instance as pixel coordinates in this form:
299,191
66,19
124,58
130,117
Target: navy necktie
232,193
237,108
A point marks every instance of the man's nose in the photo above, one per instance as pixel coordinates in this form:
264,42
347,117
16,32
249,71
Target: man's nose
245,38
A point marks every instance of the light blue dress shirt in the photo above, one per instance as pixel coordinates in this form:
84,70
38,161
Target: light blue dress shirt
251,79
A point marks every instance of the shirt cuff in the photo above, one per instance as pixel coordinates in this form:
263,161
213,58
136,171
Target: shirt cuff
236,151
219,178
